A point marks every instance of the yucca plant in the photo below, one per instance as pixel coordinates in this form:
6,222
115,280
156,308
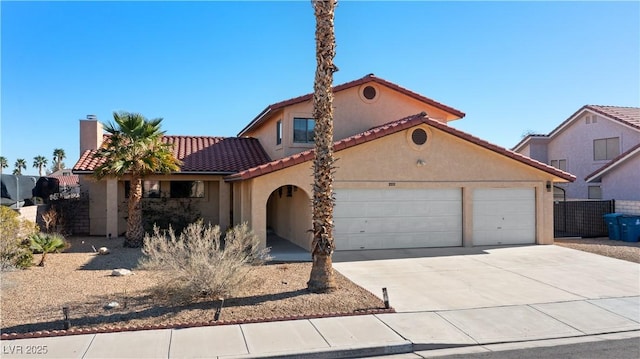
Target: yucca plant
46,243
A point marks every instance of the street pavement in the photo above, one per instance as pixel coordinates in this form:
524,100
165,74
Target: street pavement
448,301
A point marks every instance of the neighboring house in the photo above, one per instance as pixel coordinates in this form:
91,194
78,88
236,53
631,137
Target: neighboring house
403,177
596,144
69,183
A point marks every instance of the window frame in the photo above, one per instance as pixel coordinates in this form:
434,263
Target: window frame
147,192
608,147
308,132
199,192
559,164
279,132
599,194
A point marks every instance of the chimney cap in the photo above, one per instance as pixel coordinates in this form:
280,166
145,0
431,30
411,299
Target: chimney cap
92,117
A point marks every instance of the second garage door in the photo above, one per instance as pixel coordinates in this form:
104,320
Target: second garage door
397,218
504,216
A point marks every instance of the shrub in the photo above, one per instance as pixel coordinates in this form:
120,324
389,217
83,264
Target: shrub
198,263
14,249
46,243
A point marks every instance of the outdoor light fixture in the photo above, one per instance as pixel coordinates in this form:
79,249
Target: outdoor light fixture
67,322
385,296
216,316
548,186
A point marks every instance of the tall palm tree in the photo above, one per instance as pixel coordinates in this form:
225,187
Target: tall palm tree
322,278
20,165
39,162
4,163
134,149
58,157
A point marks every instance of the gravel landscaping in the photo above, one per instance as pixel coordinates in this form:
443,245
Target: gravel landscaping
628,251
32,299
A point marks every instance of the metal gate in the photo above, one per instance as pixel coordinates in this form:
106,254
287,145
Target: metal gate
581,218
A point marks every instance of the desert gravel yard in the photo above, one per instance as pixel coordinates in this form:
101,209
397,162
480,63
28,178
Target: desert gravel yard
628,251
32,299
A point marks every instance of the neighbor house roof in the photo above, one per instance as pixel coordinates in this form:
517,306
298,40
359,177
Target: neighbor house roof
611,165
263,116
201,154
388,129
67,180
627,116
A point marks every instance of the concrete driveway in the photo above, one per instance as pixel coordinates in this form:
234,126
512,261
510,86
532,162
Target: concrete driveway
482,277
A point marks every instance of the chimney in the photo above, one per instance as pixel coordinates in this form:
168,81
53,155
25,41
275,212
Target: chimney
90,134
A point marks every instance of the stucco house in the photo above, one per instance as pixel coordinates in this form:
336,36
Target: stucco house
599,145
404,177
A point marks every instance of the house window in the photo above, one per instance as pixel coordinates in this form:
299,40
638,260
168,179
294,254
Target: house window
150,189
303,130
595,192
559,164
187,189
606,148
279,132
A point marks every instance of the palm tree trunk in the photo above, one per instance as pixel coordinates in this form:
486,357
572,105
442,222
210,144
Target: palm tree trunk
322,278
135,231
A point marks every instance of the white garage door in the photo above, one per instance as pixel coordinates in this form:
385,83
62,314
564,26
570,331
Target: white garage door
504,216
397,218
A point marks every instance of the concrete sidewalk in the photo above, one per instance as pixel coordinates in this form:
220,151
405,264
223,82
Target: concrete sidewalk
430,333
449,303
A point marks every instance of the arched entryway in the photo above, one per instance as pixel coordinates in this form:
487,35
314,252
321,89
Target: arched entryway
289,217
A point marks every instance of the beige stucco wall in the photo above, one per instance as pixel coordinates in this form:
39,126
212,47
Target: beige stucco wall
449,162
352,115
290,217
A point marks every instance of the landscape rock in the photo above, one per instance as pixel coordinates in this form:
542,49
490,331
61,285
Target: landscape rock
103,250
112,305
121,272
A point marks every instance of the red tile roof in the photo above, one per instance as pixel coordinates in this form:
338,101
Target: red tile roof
633,151
389,129
68,181
262,116
202,154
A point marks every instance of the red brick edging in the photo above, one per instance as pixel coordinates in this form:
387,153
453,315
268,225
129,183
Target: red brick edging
115,329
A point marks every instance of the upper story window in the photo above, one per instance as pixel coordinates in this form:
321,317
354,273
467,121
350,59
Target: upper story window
303,130
559,164
279,132
606,148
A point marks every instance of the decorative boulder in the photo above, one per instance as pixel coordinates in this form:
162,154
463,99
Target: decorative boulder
103,250
121,272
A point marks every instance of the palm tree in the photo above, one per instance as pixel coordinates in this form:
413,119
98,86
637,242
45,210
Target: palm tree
58,156
322,277
3,163
20,165
39,162
134,149
46,243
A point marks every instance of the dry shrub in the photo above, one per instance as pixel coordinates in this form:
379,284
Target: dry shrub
199,263
14,250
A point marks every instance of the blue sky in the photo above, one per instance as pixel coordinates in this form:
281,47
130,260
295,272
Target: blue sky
208,68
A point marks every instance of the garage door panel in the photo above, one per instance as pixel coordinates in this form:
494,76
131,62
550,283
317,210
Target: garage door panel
399,240
397,218
504,216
